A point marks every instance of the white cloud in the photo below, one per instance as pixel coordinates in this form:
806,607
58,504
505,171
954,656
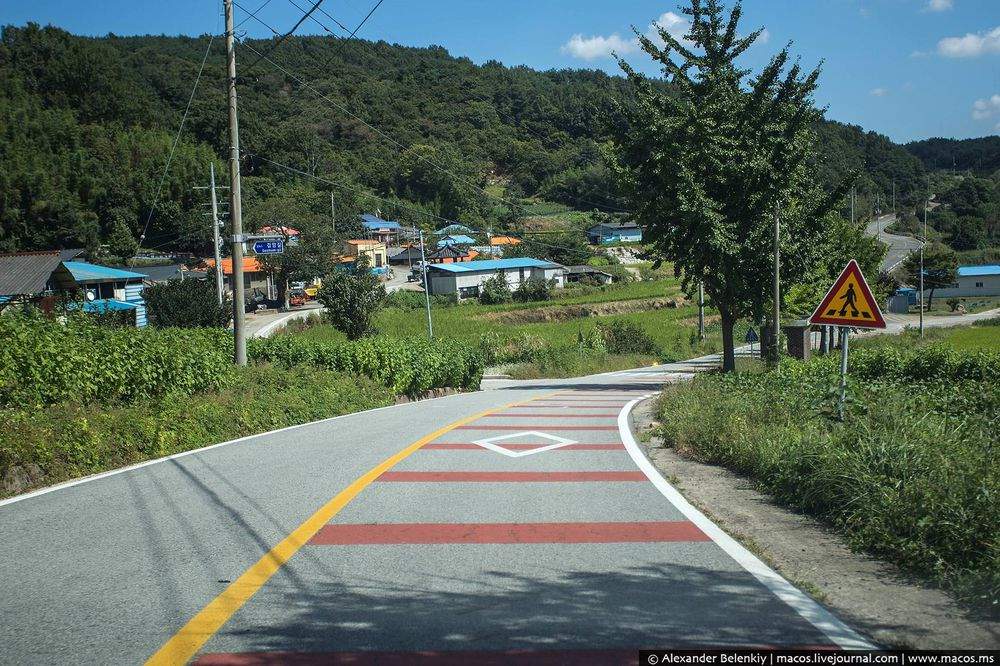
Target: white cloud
589,48
939,5
676,26
971,45
765,37
879,92
984,109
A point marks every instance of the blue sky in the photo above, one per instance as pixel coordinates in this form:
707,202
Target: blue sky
907,68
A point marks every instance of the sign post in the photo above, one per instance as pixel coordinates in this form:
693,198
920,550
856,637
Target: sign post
849,304
266,244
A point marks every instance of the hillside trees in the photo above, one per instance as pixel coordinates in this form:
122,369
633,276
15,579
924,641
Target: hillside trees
705,168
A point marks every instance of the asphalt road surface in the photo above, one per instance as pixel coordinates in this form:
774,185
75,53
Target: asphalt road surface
899,246
519,524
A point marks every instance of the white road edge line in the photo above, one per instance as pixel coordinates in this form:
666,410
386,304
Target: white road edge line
812,612
147,463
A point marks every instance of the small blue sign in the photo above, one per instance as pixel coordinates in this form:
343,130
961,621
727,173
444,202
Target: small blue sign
276,246
752,336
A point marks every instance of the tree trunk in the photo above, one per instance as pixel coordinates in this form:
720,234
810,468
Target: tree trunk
930,298
728,351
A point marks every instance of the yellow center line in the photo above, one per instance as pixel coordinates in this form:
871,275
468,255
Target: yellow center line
183,645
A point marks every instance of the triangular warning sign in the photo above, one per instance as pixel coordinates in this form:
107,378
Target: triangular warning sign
849,302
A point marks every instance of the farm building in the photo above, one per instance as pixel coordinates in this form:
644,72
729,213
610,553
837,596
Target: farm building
587,274
109,289
255,278
466,278
375,251
973,281
615,232
33,277
383,230
456,239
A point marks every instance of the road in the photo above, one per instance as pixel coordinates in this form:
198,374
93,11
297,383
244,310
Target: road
518,524
899,246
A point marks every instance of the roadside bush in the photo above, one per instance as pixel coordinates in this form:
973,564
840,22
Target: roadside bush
533,289
187,304
495,290
352,298
621,336
405,300
407,366
43,361
498,348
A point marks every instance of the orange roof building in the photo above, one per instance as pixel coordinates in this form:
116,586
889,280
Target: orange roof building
504,240
250,265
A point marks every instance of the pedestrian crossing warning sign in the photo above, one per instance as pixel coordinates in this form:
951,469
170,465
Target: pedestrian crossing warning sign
849,302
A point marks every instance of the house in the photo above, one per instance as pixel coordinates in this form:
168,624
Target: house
160,274
109,289
291,235
504,240
450,254
383,230
587,274
375,251
405,255
33,277
614,232
255,278
465,278
456,239
973,281
454,229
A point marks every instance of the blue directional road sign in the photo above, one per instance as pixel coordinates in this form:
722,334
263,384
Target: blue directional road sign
270,246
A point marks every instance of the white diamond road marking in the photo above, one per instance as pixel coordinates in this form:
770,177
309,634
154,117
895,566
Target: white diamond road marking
556,443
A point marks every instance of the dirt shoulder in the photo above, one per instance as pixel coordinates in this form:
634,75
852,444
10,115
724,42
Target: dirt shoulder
872,596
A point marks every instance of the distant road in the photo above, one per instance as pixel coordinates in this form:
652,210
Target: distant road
899,246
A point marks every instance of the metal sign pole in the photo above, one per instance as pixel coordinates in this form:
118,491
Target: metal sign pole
844,340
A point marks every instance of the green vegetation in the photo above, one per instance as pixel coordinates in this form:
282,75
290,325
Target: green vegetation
186,304
911,474
351,298
86,124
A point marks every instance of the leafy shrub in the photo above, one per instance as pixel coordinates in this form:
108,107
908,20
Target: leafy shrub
621,336
352,298
495,290
497,348
407,366
533,289
44,362
187,304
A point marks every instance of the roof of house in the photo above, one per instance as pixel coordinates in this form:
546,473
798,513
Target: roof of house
250,265
978,271
456,239
281,231
84,272
165,273
362,242
453,229
71,254
581,270
615,226
373,222
504,240
494,265
106,304
27,273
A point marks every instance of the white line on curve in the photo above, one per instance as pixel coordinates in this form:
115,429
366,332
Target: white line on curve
812,612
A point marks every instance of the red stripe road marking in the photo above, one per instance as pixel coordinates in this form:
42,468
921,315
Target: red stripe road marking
431,533
425,658
550,426
458,446
588,406
517,415
512,477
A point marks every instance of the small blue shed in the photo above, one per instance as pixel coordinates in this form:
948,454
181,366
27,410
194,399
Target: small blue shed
109,289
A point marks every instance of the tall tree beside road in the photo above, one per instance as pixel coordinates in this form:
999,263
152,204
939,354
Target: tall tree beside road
940,268
705,163
352,297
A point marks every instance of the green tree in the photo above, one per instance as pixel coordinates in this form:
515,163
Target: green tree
706,162
495,290
122,245
352,297
187,304
940,268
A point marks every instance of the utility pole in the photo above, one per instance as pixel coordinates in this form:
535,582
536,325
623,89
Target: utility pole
701,311
235,203
427,292
216,241
893,196
852,205
333,212
775,351
923,242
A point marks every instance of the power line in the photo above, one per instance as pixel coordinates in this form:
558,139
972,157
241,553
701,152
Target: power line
287,34
253,15
173,147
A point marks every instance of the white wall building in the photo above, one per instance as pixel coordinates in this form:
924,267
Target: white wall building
973,281
465,278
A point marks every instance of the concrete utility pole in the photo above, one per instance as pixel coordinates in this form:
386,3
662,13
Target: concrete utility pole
427,292
701,311
775,351
923,242
235,197
216,241
333,212
852,205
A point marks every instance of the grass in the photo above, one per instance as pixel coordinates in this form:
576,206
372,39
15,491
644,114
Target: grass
940,307
68,440
911,475
980,336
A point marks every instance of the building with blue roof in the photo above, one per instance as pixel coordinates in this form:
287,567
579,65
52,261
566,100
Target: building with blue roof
973,281
456,239
465,279
109,289
454,229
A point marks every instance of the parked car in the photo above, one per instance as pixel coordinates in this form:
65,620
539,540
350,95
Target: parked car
297,298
